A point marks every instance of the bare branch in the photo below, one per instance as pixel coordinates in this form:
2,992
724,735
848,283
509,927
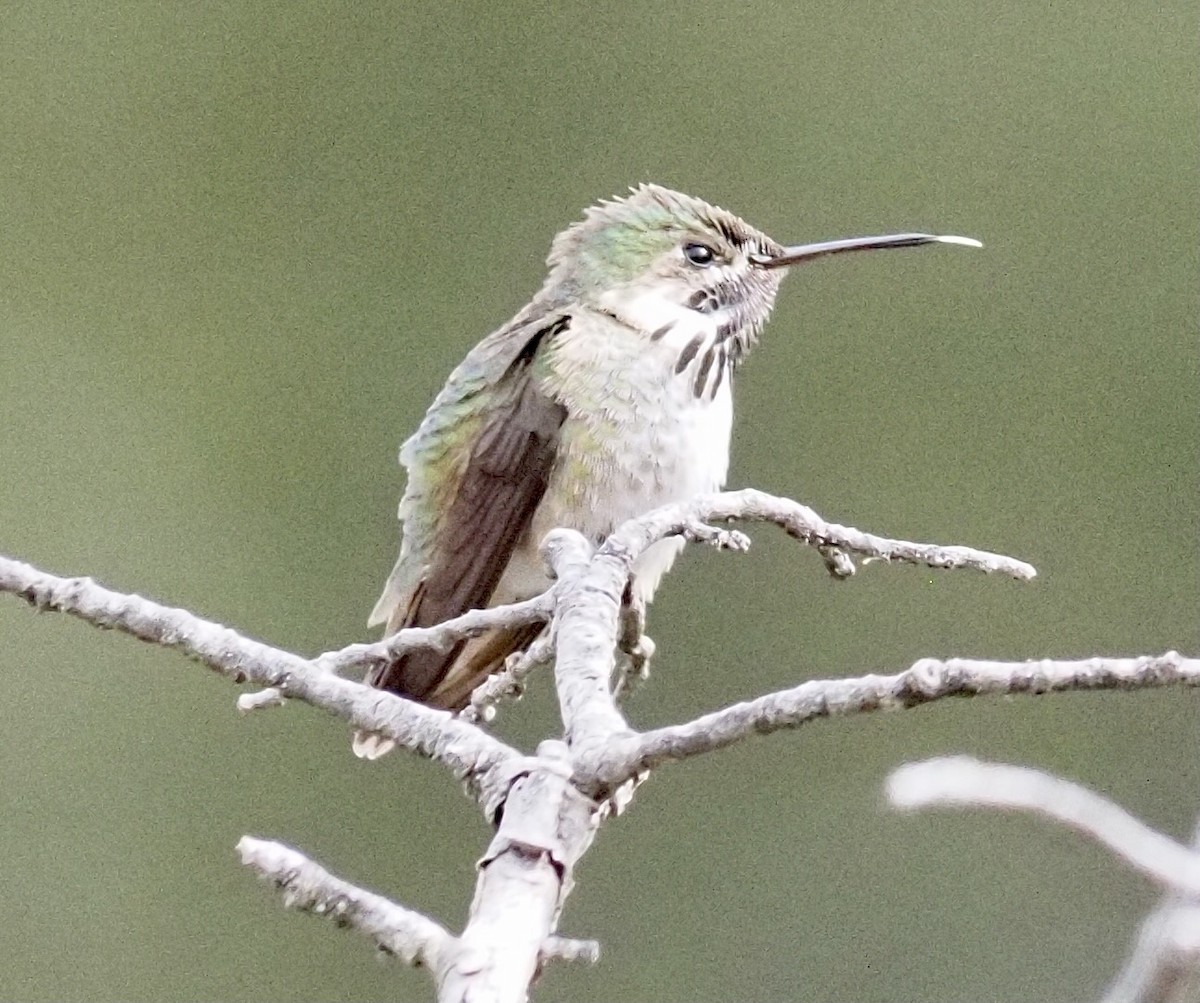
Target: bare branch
925,681
1164,966
552,802
587,627
963,782
524,879
801,522
412,937
471,753
441,637
588,619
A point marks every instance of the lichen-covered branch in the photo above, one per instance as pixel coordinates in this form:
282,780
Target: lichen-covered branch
441,637
551,802
802,523
926,681
471,753
412,937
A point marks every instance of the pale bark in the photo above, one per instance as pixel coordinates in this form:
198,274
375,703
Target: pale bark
549,805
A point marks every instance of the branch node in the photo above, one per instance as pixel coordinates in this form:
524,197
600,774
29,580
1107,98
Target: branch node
556,948
269,697
566,552
838,563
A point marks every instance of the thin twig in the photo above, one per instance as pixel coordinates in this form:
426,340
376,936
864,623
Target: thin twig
805,525
411,936
441,637
550,801
588,620
510,682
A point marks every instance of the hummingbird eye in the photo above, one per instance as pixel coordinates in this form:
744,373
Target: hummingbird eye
700,255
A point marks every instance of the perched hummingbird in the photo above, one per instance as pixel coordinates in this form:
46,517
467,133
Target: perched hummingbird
608,395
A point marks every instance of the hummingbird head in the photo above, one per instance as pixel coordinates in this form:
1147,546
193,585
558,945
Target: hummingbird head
657,257
658,254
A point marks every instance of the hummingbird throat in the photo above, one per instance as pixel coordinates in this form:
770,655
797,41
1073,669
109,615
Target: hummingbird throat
708,339
708,333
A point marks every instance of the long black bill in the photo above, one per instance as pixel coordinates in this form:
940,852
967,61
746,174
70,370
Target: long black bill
803,252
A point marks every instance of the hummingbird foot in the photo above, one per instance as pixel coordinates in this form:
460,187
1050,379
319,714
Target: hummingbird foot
510,681
636,647
634,668
722,539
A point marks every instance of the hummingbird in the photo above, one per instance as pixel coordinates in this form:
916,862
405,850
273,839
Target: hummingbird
609,394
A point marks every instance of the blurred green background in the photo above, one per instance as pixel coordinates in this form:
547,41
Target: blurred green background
242,245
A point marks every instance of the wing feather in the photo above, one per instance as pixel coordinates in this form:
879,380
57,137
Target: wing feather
484,510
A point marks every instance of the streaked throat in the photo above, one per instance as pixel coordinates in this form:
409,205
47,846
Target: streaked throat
705,334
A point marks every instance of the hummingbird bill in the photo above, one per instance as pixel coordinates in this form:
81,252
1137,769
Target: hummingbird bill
609,394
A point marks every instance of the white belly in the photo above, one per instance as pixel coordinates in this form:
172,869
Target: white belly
635,438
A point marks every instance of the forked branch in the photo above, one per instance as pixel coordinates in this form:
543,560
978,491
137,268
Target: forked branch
552,801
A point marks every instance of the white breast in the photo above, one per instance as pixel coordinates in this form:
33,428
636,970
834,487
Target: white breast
637,435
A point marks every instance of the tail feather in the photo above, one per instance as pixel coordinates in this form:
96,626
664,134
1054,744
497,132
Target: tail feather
453,676
480,658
